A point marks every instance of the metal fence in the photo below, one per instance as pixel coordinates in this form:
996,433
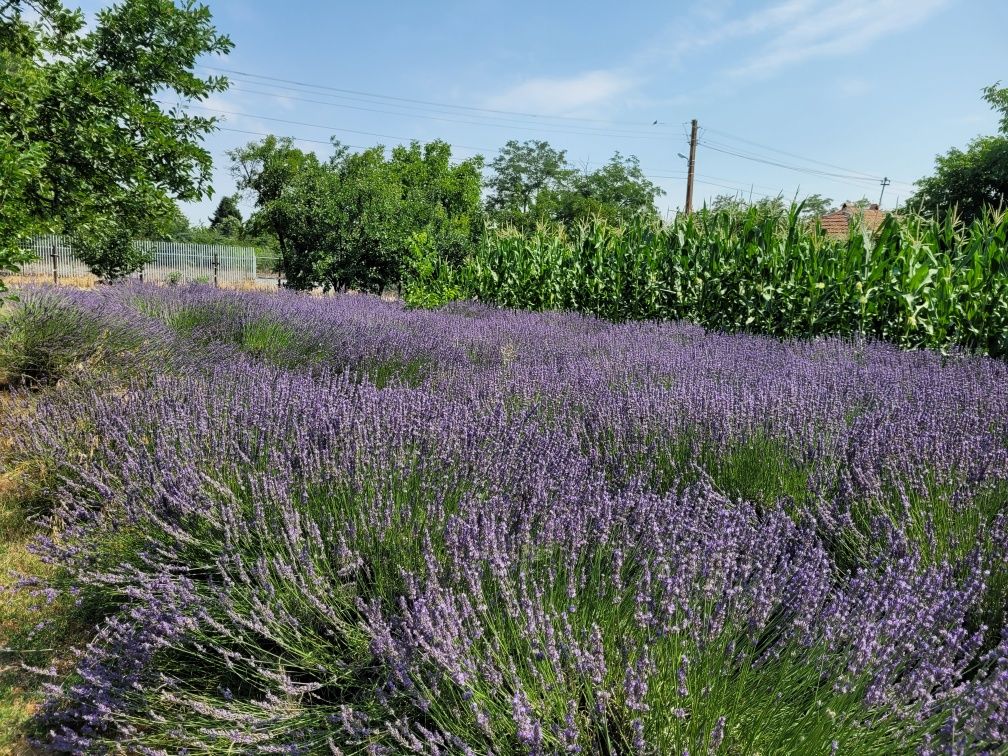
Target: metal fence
170,261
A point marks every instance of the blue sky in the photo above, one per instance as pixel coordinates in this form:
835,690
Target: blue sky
871,87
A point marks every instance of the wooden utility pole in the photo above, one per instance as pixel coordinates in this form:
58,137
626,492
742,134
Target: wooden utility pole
692,165
885,182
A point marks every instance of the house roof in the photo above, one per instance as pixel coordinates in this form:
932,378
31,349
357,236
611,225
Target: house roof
838,222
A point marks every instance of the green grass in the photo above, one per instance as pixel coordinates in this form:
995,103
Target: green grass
20,613
383,373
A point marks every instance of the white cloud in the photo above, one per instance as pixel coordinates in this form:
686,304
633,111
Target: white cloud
785,33
831,29
715,23
562,95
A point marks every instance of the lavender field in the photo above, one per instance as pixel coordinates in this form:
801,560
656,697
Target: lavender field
286,524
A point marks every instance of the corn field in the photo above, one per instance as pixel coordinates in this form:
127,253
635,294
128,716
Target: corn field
916,282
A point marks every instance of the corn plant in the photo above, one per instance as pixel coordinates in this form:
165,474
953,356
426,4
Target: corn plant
916,282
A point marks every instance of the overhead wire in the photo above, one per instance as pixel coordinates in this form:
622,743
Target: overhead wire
842,178
854,178
328,127
549,128
409,109
376,95
800,157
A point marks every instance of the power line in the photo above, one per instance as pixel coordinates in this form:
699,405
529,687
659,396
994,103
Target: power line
862,174
792,154
493,124
646,129
848,175
320,126
327,127
423,102
842,177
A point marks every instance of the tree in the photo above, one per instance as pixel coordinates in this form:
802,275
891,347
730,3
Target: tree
438,198
973,179
342,222
774,205
176,224
264,169
526,179
617,191
83,104
227,219
22,86
815,206
997,97
727,202
111,252
18,170
350,222
532,182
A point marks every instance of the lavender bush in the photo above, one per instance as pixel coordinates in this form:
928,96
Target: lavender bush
338,526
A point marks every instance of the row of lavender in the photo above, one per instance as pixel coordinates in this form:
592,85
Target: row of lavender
334,525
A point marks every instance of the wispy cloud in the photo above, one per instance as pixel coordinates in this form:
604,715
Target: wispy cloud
784,33
829,29
563,95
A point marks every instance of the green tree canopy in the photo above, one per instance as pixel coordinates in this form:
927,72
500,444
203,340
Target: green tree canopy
524,175
264,169
100,156
349,222
616,191
438,197
813,206
532,182
969,180
227,218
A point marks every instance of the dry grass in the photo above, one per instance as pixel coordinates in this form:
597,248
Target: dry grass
89,282
73,282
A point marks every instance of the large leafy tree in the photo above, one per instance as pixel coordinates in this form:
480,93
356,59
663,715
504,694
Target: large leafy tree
816,205
342,222
438,198
526,179
265,169
616,191
532,182
970,180
99,154
350,222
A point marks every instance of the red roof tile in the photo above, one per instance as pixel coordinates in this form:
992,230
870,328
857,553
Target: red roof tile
837,223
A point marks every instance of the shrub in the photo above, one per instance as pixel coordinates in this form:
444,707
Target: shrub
110,253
